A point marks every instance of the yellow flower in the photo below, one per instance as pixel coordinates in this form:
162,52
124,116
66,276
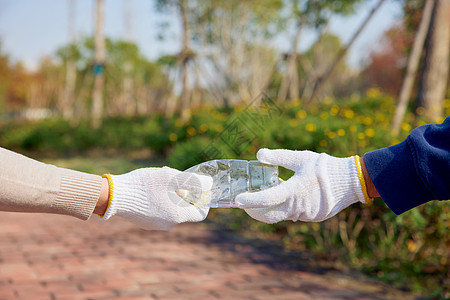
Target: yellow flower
349,114
334,110
370,132
367,121
331,134
341,132
301,114
310,127
324,115
411,245
191,131
373,93
353,128
323,143
203,127
361,136
173,137
406,127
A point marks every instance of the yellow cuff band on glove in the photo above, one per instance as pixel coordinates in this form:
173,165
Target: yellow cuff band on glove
111,190
362,181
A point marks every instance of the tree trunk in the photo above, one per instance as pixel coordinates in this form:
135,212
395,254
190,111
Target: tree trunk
320,83
290,79
184,58
129,103
97,95
71,70
312,73
434,75
128,99
413,63
69,91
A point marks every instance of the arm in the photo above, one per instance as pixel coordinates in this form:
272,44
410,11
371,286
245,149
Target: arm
146,197
27,185
405,176
415,171
102,203
370,187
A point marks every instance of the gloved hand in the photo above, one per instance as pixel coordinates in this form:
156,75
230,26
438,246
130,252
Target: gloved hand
321,187
147,197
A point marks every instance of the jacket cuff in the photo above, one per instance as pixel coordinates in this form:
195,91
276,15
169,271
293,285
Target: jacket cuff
395,177
78,194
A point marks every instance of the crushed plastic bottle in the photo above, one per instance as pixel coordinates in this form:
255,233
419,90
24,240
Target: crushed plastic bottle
230,178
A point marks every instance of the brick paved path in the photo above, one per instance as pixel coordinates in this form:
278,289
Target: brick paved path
56,257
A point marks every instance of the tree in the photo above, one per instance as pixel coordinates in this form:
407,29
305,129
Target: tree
186,55
46,88
413,64
150,84
234,38
319,84
312,14
434,75
97,99
130,104
316,60
149,81
69,92
229,55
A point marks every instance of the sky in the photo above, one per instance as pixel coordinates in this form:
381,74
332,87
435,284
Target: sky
31,30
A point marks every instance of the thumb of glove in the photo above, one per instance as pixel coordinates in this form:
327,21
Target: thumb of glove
289,159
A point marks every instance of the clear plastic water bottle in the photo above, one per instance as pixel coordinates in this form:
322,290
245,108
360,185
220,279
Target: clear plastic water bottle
230,178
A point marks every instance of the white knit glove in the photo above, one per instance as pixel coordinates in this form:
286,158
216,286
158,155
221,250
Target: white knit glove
147,197
321,187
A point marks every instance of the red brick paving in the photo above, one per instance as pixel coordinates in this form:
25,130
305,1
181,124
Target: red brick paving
56,257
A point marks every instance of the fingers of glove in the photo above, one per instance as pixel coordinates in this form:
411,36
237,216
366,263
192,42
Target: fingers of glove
269,215
289,159
192,214
153,223
183,211
266,198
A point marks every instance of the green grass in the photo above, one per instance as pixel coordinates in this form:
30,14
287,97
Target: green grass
98,163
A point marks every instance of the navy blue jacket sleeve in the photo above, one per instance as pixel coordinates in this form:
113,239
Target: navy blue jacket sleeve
415,171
